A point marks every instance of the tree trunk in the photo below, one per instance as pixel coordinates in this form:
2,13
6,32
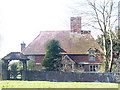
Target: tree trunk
111,51
105,53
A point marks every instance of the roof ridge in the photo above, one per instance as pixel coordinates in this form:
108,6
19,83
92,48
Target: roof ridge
55,30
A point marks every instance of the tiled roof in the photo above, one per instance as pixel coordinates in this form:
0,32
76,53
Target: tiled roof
15,56
71,43
85,58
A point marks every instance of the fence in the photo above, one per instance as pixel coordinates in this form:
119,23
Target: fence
69,76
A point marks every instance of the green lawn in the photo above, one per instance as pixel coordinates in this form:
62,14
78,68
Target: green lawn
46,84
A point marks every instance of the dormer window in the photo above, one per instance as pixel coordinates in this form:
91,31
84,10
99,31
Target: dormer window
91,57
92,54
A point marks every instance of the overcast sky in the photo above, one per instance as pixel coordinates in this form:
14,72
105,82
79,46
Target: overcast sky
22,20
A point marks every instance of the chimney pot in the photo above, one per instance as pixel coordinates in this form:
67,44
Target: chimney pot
23,45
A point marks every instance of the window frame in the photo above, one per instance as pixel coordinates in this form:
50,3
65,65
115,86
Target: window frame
93,67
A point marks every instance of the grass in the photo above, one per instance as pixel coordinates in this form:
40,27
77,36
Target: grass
47,84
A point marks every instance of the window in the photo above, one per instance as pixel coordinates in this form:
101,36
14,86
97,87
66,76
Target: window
80,66
91,58
93,52
91,55
93,68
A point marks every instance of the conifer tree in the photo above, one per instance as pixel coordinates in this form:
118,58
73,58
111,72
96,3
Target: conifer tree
52,60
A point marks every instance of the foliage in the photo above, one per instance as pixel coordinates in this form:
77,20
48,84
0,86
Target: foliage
43,70
115,44
31,65
13,69
101,70
19,65
4,66
104,20
52,60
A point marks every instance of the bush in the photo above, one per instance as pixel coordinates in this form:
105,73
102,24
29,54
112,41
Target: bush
31,65
13,69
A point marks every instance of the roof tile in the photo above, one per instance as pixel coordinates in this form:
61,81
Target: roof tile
72,43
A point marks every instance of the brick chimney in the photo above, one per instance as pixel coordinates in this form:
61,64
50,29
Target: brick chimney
23,45
75,24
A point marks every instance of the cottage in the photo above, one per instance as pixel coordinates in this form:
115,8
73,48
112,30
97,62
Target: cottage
81,51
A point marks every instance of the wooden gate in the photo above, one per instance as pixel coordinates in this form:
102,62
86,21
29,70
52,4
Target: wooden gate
15,75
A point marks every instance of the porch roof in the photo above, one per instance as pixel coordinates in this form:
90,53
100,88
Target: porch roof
15,56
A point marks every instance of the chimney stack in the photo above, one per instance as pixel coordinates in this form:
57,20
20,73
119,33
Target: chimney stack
75,24
23,45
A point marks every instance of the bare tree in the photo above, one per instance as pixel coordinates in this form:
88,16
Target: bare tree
103,16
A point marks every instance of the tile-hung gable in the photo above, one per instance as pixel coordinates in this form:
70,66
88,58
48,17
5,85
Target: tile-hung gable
77,44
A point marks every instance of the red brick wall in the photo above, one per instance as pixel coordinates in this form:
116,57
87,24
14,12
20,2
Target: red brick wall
85,58
38,67
38,61
76,58
79,58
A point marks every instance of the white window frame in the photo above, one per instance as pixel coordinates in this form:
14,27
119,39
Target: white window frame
94,67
